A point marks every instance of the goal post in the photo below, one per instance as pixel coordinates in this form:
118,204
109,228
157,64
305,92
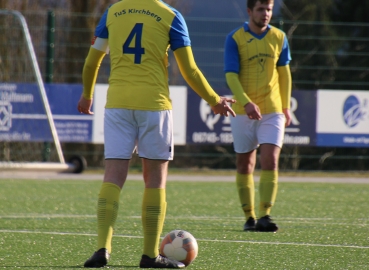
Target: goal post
26,121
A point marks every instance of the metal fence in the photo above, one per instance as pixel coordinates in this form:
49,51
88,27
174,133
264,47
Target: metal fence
325,55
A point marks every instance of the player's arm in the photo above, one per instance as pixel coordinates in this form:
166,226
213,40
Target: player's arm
235,85
251,109
194,77
232,69
285,82
285,85
284,73
92,64
90,71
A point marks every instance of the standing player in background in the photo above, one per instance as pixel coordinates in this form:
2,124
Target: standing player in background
138,112
257,71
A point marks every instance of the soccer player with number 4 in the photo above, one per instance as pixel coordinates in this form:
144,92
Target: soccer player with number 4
138,112
257,71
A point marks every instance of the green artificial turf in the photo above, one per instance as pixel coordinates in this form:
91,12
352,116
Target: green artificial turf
51,224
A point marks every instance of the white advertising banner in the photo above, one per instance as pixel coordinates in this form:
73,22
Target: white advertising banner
343,111
342,118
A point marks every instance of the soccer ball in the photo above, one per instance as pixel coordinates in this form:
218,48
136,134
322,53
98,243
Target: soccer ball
179,245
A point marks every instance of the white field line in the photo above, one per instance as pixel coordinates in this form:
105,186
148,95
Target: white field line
280,219
200,240
286,221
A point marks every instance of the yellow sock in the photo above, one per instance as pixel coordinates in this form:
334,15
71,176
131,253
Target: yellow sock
268,187
107,212
153,214
246,193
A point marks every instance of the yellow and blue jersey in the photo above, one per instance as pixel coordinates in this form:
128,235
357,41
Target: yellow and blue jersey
139,34
255,59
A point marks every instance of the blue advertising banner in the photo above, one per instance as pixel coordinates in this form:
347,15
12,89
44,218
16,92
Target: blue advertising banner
71,126
22,115
319,118
303,113
203,127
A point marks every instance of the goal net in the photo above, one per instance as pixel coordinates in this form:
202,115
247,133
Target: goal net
28,137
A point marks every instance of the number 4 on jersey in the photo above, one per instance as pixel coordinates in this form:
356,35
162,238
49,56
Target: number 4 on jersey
137,50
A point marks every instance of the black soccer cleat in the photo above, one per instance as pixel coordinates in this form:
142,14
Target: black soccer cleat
99,259
159,262
250,224
265,224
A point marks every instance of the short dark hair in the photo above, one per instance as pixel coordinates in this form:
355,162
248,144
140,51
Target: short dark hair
251,3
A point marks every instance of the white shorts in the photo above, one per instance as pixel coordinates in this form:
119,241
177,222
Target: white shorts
151,132
248,134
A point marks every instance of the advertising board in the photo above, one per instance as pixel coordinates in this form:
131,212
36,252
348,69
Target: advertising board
334,118
343,118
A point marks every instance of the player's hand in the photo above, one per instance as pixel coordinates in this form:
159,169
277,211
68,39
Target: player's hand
252,110
84,105
287,115
223,107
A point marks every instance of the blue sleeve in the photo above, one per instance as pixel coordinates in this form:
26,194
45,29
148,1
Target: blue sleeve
101,30
285,56
231,55
178,34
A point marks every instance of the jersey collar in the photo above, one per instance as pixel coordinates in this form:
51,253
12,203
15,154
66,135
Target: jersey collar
247,29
